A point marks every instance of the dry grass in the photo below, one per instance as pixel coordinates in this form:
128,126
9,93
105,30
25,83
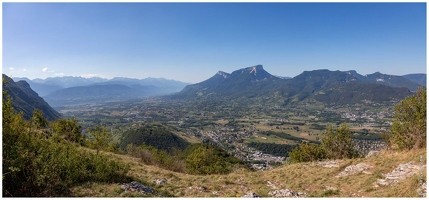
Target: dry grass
314,180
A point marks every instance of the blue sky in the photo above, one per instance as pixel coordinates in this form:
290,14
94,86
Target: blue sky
190,42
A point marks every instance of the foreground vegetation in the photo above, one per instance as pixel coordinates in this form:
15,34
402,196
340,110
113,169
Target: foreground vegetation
40,162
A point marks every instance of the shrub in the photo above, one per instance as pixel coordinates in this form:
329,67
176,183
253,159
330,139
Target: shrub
307,152
336,144
37,120
69,129
100,137
409,124
206,159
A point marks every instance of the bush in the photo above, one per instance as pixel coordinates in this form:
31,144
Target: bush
307,152
336,144
69,129
409,124
206,159
100,137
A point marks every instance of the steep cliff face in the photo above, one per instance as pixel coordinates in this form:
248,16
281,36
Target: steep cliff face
26,100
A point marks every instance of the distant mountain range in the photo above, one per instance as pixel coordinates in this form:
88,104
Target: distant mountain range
25,100
99,93
394,81
59,91
322,85
331,87
51,84
417,78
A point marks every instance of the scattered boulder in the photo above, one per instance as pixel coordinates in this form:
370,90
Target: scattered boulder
250,195
283,193
401,172
137,187
286,193
302,194
202,188
422,190
239,180
269,184
159,181
382,182
372,153
354,169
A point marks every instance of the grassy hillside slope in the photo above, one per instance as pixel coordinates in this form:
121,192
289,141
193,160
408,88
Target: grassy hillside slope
309,178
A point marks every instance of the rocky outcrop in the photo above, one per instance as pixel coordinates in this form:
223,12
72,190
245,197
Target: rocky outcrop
422,190
271,185
286,193
199,188
159,181
250,195
401,172
137,187
372,154
354,169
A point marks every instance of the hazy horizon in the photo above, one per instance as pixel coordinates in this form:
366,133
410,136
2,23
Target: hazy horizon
110,78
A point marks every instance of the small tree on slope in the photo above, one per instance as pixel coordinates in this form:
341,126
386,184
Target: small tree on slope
409,124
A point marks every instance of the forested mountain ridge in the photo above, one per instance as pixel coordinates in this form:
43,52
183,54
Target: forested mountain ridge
25,100
385,79
322,85
154,136
417,78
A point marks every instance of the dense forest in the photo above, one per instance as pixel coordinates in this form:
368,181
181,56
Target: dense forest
153,135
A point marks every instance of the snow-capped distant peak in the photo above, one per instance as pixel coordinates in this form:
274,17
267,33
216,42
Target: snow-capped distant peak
379,80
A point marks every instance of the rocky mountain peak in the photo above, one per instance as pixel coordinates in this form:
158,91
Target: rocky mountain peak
255,73
224,74
252,70
256,68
